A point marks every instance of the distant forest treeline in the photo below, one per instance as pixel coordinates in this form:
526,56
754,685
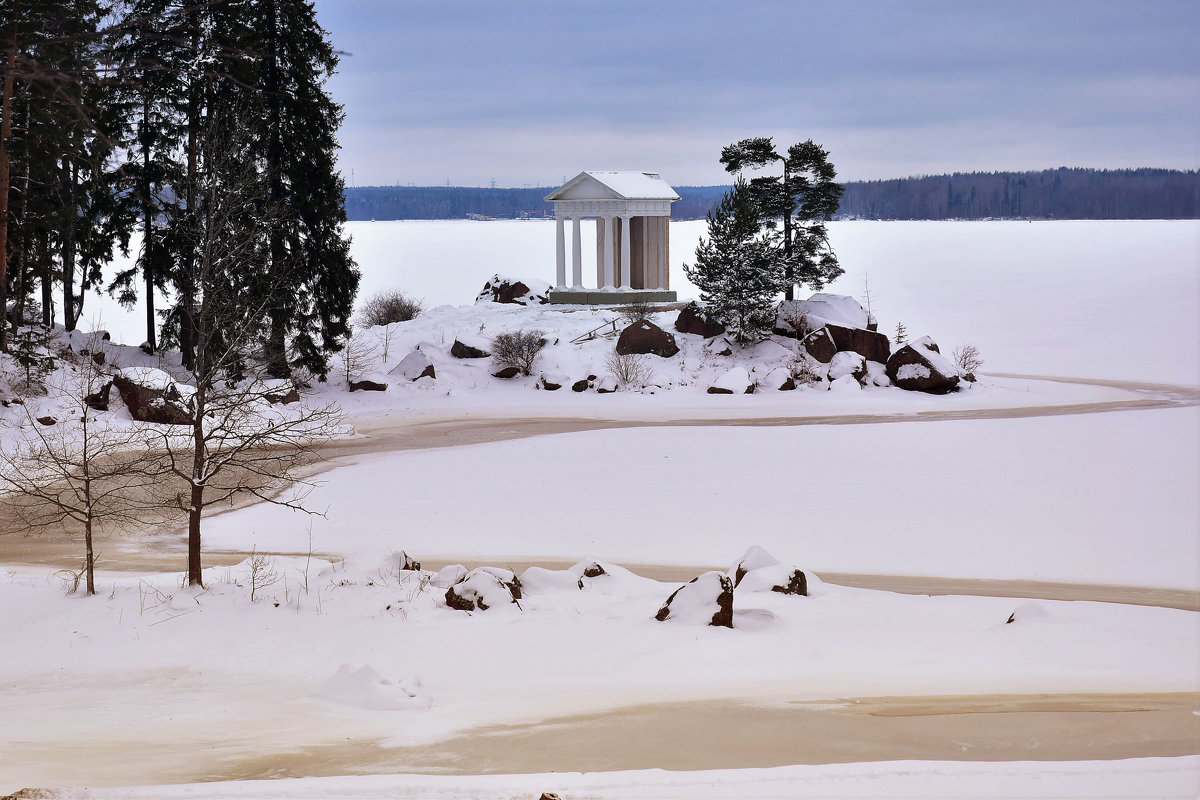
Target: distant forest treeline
1063,193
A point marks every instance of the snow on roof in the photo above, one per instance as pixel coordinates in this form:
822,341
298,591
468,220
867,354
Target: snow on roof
622,185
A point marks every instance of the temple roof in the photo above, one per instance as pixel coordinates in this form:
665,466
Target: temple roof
614,185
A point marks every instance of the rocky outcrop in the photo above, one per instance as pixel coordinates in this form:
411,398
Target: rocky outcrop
645,337
707,599
502,289
819,344
692,319
152,395
920,366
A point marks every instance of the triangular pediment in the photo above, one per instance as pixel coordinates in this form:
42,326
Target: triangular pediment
613,185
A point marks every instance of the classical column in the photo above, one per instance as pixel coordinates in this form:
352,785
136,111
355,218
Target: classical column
626,265
560,244
665,244
576,256
610,228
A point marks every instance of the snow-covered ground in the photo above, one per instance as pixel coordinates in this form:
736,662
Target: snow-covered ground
208,685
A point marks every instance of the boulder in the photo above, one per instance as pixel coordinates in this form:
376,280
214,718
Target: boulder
920,366
606,385
645,337
754,558
152,395
507,372
285,398
847,363
413,366
484,588
734,381
692,319
367,386
758,570
819,344
871,345
706,599
581,385
793,317
469,347
47,421
846,383
877,375
98,400
449,575
779,379
502,289
552,381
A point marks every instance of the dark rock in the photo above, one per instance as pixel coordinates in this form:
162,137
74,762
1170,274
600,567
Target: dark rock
146,348
98,359
549,796
606,385
919,366
593,570
163,404
797,583
461,349
98,401
407,563
580,385
710,592
692,319
820,345
871,345
552,383
735,381
718,347
646,337
367,386
47,420
788,385
507,372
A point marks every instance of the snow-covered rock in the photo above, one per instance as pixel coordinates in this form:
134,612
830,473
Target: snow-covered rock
416,364
755,557
643,337
820,345
707,600
920,366
467,346
759,571
552,381
484,588
847,363
718,346
152,395
606,384
822,309
735,381
503,289
779,379
449,575
877,375
846,383
539,580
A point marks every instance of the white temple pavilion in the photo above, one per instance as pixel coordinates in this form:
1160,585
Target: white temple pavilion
632,211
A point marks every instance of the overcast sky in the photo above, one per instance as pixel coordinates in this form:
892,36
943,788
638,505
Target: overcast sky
528,93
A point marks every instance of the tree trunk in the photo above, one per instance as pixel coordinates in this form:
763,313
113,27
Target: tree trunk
195,576
5,132
46,267
72,306
148,265
789,273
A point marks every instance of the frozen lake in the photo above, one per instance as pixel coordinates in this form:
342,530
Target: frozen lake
1105,299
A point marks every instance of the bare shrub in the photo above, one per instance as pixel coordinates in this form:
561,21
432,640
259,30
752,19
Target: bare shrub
629,369
518,349
387,307
800,323
358,356
262,573
968,358
637,311
803,371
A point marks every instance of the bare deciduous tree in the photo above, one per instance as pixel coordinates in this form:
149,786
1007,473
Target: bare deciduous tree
968,358
359,354
85,470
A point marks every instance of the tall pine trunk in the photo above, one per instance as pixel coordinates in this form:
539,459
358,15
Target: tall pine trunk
148,265
5,132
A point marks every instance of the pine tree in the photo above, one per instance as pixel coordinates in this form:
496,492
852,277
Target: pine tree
738,270
803,198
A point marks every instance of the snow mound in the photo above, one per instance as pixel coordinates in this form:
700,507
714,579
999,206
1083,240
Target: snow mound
366,688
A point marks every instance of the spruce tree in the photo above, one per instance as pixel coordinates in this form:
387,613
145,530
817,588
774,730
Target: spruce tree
310,282
738,270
